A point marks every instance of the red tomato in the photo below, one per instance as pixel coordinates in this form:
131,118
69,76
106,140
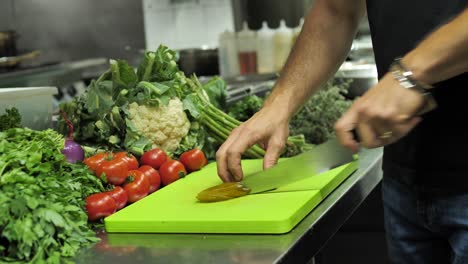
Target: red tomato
193,160
138,187
171,171
115,170
120,196
100,205
132,162
153,177
154,158
94,161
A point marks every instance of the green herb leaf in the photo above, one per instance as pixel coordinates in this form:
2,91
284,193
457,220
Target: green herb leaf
42,216
316,118
10,119
216,90
99,97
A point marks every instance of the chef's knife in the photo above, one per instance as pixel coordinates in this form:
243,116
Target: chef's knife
321,158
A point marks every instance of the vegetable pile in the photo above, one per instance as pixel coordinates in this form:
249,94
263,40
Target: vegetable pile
172,123
155,107
42,199
314,122
47,201
131,180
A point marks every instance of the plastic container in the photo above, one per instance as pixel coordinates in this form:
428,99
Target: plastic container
227,49
265,49
35,105
297,30
282,44
247,50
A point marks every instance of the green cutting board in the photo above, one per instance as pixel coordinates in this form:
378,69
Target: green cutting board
175,209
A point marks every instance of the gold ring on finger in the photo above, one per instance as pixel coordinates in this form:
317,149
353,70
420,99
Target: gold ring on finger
386,135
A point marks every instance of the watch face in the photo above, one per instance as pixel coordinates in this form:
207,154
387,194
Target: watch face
403,78
407,74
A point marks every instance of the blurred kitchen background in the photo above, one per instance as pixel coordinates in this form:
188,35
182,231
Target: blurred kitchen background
66,43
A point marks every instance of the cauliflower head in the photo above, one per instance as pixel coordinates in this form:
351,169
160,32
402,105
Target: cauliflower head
164,125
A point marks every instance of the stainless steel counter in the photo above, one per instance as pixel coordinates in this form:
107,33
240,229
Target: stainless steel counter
298,246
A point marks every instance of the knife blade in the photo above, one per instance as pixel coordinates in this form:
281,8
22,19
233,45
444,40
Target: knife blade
321,158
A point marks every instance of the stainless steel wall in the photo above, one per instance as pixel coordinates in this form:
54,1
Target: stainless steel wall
6,16
70,30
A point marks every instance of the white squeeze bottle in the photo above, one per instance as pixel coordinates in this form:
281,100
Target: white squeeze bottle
265,49
282,44
297,30
227,54
247,50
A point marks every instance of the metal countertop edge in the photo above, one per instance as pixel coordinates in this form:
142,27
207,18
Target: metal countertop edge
328,217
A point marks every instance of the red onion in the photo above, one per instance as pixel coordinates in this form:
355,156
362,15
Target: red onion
73,151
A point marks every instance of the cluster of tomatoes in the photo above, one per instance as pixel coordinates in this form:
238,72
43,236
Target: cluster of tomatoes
133,180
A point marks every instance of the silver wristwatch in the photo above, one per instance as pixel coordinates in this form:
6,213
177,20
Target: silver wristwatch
406,80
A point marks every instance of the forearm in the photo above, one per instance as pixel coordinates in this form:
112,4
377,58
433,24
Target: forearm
321,47
443,54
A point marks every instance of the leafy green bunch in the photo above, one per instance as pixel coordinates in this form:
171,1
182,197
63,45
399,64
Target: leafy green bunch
246,107
42,198
312,123
10,119
317,117
101,115
156,106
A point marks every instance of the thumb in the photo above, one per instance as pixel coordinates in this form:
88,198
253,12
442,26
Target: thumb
273,152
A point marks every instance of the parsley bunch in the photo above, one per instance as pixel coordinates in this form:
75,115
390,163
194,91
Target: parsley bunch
42,198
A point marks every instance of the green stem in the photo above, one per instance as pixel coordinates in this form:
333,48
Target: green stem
218,121
217,138
221,138
208,106
217,112
214,130
226,132
217,126
1,171
221,119
259,150
251,154
255,154
148,68
104,76
248,153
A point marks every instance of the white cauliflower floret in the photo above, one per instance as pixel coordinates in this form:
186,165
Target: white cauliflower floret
165,125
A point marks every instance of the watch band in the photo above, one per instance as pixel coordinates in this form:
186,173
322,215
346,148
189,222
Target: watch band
406,80
409,74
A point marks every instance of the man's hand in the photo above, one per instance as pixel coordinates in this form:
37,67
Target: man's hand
383,115
321,47
387,112
266,128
